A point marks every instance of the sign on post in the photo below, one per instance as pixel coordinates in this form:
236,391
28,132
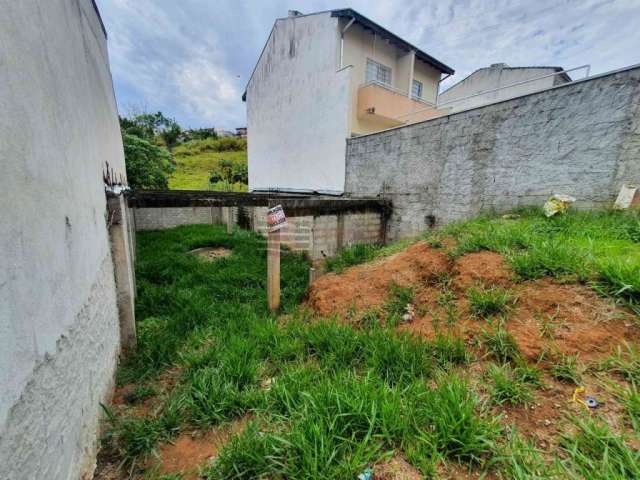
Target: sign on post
276,220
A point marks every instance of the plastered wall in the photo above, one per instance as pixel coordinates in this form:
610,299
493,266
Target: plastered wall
59,336
581,139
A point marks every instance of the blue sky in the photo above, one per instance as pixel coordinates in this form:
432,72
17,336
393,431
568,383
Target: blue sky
191,58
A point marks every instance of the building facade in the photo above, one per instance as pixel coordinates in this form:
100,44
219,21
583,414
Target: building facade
325,77
499,82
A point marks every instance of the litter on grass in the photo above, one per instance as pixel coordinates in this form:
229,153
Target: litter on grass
557,204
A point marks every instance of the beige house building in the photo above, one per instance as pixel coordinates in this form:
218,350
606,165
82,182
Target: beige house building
499,82
322,78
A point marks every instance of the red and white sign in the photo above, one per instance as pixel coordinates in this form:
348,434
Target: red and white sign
276,219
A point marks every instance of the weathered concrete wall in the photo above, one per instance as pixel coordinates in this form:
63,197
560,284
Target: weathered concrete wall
582,139
59,334
317,235
297,108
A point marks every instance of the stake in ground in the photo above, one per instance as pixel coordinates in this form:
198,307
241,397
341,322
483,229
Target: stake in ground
503,319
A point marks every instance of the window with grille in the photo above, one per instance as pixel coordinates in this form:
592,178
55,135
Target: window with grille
376,72
416,89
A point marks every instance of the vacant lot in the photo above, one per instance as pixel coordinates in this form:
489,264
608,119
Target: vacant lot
471,352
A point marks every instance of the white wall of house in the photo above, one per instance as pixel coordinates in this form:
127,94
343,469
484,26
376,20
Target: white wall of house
298,108
496,76
59,334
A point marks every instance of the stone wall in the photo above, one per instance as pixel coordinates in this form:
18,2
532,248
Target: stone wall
59,335
318,235
582,139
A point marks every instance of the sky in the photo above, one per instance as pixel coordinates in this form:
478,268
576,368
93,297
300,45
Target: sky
191,59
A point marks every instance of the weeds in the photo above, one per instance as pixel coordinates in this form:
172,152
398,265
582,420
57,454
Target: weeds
595,452
353,255
501,344
566,369
508,386
487,302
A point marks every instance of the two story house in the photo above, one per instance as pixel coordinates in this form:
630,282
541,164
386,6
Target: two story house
322,78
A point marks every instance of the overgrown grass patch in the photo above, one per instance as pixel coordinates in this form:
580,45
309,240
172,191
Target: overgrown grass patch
601,247
487,302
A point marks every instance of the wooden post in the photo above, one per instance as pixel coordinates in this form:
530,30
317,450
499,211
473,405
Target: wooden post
314,273
273,270
229,219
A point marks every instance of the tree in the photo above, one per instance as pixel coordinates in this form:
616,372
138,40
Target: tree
150,126
148,166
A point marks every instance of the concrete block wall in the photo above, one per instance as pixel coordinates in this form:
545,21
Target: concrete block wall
581,139
318,235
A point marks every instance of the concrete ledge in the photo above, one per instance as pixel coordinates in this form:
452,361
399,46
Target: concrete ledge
294,204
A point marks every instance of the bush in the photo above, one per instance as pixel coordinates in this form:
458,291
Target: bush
148,166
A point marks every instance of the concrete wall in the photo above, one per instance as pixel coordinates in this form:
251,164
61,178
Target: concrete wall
59,336
496,76
317,235
581,139
297,108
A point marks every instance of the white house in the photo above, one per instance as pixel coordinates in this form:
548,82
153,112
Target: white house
322,78
499,82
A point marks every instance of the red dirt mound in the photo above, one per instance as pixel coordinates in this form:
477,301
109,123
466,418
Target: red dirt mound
548,315
487,268
366,286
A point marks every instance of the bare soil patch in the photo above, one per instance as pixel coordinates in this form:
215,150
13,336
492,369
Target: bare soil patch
366,286
396,468
211,254
549,316
191,449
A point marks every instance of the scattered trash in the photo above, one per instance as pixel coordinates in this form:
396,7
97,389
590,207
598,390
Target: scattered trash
410,313
557,204
592,402
366,475
588,402
628,197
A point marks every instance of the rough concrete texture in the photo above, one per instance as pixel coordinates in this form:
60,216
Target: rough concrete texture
581,139
52,429
317,235
58,315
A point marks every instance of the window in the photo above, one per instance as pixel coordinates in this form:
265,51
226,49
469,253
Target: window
416,89
376,72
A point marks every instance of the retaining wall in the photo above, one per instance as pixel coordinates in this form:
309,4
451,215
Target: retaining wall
317,226
581,139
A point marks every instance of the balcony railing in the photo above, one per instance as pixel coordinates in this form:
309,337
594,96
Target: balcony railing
390,106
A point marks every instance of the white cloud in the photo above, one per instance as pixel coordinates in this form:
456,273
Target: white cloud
191,59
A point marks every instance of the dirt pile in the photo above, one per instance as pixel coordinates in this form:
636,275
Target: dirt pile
366,286
548,316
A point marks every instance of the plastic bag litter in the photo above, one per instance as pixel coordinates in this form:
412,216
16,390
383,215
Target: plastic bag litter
557,204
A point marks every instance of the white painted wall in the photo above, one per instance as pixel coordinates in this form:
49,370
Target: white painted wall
298,108
58,316
494,77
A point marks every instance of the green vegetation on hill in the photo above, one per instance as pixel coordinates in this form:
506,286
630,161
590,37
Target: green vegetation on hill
211,164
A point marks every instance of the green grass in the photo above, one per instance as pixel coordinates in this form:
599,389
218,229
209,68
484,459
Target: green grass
487,302
328,399
566,369
195,162
600,247
507,386
359,253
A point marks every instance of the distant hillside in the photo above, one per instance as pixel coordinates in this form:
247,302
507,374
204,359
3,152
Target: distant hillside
210,164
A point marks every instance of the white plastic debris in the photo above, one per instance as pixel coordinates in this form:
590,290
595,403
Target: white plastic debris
557,203
626,197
